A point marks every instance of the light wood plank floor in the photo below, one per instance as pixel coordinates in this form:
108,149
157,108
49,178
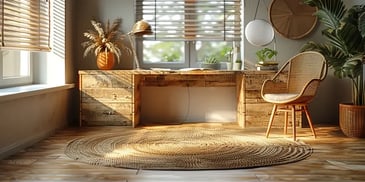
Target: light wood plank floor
335,158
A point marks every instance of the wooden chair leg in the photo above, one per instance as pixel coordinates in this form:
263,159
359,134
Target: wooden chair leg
309,120
294,123
271,120
285,122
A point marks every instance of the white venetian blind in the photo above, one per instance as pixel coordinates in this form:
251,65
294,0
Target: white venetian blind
25,24
192,19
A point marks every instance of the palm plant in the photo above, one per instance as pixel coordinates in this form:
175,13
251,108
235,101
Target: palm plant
344,49
108,40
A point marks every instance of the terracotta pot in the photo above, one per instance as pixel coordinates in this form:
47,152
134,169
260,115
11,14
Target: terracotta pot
352,120
105,60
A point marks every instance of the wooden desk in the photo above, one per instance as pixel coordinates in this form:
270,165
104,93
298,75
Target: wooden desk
113,97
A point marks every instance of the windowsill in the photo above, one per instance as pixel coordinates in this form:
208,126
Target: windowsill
30,90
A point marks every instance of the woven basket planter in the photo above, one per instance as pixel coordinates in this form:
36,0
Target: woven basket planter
352,120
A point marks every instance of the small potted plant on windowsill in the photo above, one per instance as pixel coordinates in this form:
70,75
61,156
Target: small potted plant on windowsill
210,62
237,65
227,52
264,57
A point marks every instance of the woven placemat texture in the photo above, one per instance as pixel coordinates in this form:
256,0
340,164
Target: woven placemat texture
186,148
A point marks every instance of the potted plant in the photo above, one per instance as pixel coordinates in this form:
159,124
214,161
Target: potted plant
264,57
106,42
210,62
227,52
237,65
345,54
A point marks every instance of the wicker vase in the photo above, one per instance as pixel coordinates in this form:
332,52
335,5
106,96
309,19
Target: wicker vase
352,120
105,60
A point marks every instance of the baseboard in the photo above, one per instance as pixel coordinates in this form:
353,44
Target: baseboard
20,145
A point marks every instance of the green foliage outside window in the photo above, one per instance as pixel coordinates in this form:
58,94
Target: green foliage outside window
162,52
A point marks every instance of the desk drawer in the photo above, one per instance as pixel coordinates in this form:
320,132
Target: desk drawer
201,80
254,82
106,81
106,113
107,95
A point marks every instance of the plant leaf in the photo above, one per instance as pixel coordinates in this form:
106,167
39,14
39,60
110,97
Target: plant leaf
362,24
329,12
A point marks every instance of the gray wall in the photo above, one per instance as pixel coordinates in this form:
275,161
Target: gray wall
157,106
101,11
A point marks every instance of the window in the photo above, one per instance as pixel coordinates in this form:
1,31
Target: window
15,68
24,28
185,31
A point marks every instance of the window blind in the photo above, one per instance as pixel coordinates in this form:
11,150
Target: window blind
25,24
217,20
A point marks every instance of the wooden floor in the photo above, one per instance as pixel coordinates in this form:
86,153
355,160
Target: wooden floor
335,158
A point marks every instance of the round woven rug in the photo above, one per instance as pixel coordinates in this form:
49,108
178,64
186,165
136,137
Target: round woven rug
174,148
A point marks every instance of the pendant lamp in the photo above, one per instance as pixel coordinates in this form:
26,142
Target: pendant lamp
259,32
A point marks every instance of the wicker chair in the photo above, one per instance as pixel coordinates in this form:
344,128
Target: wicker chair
304,72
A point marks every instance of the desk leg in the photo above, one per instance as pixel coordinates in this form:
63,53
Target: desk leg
136,100
240,96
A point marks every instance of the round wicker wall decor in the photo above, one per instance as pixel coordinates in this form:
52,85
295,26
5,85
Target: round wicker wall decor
292,18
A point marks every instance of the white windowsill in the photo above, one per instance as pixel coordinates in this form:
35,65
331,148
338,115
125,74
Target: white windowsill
30,90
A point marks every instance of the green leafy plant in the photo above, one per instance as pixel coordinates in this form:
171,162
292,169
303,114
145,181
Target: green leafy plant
265,53
238,61
227,52
344,49
210,60
108,38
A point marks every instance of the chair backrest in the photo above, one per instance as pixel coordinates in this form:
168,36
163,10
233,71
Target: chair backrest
305,67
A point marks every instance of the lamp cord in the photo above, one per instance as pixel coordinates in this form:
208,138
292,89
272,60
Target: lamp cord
257,7
133,46
187,113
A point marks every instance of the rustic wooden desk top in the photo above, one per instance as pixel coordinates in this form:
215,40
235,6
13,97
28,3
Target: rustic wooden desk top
195,78
175,72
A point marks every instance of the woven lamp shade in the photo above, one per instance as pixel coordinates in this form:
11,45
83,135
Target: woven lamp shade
292,18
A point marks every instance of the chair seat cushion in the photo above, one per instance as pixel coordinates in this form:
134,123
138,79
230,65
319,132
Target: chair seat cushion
280,97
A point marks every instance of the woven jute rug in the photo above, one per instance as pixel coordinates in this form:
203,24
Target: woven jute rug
186,148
